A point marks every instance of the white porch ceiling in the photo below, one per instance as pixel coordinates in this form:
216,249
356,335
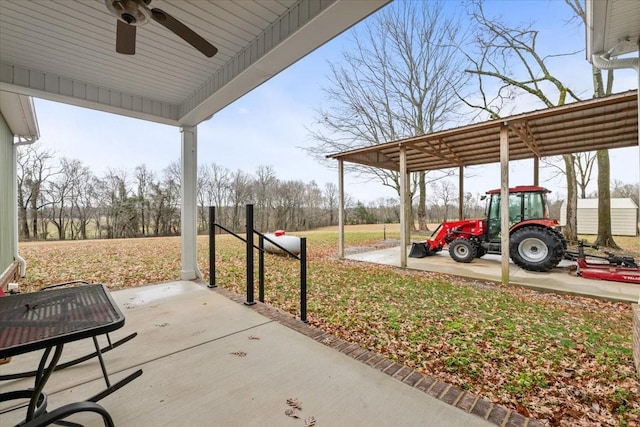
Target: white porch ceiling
609,23
64,51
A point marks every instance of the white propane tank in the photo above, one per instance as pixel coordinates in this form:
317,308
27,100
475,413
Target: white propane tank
290,243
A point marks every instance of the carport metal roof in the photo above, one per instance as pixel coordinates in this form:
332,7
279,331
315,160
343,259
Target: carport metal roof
603,123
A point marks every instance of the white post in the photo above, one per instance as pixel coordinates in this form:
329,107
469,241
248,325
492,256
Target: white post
403,207
504,200
188,217
461,193
340,209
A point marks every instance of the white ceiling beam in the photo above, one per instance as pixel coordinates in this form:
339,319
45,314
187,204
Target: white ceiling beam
44,85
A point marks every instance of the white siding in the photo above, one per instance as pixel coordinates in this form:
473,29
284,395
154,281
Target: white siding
7,206
623,217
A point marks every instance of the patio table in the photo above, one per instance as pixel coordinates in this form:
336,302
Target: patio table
47,321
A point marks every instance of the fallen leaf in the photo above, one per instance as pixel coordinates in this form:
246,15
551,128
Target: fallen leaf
294,403
291,413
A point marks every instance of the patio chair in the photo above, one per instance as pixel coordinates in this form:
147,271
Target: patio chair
98,353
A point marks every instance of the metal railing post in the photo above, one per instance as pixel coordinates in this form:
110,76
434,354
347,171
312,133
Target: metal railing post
212,247
249,227
303,279
261,268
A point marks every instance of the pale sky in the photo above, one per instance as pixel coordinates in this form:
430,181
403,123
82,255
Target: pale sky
268,125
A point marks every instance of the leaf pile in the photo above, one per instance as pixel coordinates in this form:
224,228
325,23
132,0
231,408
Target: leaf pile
564,360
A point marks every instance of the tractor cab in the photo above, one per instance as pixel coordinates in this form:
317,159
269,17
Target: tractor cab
525,203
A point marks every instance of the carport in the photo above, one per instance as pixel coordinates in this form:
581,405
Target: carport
603,123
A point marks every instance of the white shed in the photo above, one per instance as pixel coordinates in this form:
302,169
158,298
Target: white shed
624,216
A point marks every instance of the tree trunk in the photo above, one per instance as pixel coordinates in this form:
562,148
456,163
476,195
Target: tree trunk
22,215
605,238
571,227
35,196
422,203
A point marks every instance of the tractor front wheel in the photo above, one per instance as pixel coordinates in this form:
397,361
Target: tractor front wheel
462,250
536,248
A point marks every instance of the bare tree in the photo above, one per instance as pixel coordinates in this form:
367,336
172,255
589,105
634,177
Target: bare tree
620,189
220,190
600,89
330,200
584,163
444,191
509,56
395,83
240,194
34,169
81,198
60,193
144,177
311,207
265,184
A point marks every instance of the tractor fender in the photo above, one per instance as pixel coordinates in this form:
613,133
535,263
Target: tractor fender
543,222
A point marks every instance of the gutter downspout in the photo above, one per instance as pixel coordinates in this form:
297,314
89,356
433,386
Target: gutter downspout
16,255
604,62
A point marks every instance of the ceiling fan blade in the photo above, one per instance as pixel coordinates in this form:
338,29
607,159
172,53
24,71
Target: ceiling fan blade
183,31
125,38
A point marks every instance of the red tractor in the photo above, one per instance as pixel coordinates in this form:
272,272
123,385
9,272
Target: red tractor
535,242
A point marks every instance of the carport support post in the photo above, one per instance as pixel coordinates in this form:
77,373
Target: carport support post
461,193
188,217
340,209
504,200
536,170
404,207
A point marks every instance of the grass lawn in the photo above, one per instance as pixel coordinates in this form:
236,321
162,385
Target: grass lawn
564,360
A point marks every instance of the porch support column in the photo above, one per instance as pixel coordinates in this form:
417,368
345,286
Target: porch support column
404,207
504,200
461,193
536,170
340,209
188,224
638,100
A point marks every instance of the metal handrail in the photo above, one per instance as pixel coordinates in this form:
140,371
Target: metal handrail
302,257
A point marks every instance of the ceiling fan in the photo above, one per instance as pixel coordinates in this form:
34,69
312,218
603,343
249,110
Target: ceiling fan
131,13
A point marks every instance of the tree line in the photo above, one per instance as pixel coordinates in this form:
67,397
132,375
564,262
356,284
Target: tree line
63,199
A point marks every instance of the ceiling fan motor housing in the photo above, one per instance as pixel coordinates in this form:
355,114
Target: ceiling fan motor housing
132,12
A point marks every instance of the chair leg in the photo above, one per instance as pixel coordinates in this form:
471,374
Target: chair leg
105,349
70,409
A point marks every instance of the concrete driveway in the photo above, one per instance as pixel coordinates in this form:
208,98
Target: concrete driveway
489,268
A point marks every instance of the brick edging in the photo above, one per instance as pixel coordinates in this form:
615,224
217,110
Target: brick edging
445,392
635,309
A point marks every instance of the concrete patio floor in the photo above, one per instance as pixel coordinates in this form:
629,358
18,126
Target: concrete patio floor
489,268
209,361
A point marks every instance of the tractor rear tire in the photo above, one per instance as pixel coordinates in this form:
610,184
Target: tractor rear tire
536,248
462,250
480,251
